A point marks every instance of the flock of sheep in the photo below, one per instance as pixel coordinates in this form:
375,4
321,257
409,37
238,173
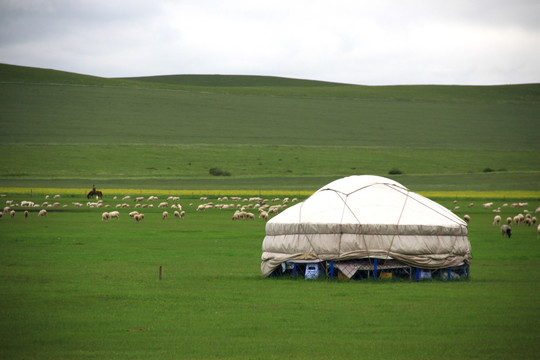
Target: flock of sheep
245,209
524,217
244,206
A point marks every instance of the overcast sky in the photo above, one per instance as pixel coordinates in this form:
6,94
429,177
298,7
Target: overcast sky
375,42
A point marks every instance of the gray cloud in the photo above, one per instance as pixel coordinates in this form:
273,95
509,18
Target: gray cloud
383,42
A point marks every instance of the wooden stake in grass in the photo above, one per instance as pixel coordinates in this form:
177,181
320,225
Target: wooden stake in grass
160,273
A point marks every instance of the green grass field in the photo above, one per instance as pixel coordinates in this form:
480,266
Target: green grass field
76,287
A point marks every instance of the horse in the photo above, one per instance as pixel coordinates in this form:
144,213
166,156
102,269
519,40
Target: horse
98,193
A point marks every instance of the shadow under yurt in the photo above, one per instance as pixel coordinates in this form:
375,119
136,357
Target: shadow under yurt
367,227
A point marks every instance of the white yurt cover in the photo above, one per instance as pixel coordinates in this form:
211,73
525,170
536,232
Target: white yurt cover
366,217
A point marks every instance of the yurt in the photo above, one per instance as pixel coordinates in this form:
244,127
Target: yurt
367,226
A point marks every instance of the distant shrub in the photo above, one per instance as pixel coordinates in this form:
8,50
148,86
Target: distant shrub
395,171
218,172
488,170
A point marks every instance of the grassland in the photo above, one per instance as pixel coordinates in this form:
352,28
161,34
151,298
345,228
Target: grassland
75,287
150,131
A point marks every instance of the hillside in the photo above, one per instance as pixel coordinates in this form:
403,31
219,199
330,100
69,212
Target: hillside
256,128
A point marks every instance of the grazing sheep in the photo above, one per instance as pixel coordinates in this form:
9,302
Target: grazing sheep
533,220
264,215
467,218
114,215
509,220
163,204
176,214
126,197
487,205
139,198
517,220
456,208
165,215
42,212
538,231
105,216
25,214
12,213
133,213
471,204
138,217
1,214
506,230
57,196
496,220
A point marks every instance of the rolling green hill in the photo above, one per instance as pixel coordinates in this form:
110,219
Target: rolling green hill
266,131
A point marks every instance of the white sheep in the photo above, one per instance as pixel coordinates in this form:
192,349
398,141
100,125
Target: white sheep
496,220
176,214
138,217
12,213
163,205
42,212
133,213
25,214
509,220
165,215
506,230
139,198
467,218
105,216
114,215
126,197
538,231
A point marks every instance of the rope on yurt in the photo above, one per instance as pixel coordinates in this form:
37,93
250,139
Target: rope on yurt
397,227
452,251
303,229
361,233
